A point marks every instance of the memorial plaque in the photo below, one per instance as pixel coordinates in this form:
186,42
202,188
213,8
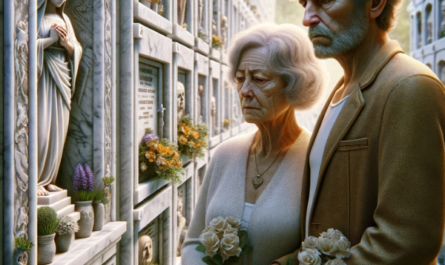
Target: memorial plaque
147,89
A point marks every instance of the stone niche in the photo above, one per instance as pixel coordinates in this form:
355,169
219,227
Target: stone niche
201,75
215,103
153,231
184,205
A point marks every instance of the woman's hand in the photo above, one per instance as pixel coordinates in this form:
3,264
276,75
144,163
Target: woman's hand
53,34
63,39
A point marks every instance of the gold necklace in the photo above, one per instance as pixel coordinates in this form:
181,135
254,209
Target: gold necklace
257,181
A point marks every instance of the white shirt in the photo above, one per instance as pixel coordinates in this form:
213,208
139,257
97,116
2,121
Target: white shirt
248,208
317,151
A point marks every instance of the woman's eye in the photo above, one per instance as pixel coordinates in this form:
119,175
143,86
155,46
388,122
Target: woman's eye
259,80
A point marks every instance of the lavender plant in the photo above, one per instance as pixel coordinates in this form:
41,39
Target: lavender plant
83,183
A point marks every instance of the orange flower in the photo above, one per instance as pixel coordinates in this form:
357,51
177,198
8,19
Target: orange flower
182,140
175,155
151,149
186,130
195,135
161,149
151,156
178,162
198,145
169,151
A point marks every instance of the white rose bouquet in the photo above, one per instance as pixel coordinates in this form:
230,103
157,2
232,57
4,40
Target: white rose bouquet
223,242
330,248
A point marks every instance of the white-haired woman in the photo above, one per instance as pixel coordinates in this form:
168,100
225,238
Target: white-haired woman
257,177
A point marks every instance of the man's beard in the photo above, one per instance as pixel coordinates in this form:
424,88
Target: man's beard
343,41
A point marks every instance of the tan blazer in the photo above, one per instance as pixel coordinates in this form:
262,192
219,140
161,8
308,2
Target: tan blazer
382,175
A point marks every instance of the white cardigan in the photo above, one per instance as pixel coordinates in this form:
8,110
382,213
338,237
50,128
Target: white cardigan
274,226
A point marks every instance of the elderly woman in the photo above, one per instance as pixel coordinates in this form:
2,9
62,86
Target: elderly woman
257,177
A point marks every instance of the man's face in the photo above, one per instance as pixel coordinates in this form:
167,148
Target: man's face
335,26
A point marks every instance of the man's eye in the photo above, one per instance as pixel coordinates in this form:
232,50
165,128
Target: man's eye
239,79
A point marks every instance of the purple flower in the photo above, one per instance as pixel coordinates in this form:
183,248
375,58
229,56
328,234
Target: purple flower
79,179
89,178
149,137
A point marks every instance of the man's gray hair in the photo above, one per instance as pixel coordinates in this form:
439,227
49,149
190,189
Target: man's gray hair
387,19
290,55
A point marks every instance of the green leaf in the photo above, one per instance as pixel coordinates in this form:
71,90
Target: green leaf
243,238
218,259
201,248
208,260
247,249
290,259
233,259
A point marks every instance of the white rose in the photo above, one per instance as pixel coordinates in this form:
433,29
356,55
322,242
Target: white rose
334,234
207,229
231,230
309,257
230,246
335,262
325,244
210,241
219,224
310,242
234,222
341,248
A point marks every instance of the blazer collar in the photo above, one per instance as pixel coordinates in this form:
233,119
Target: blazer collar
349,113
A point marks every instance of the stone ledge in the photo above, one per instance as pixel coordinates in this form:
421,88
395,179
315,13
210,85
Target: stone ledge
83,250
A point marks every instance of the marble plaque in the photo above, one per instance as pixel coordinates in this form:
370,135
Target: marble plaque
147,91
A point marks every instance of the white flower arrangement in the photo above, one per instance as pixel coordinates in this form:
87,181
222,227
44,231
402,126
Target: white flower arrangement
67,226
223,242
330,248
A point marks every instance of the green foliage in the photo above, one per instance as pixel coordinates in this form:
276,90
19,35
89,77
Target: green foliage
23,244
46,221
108,180
97,194
84,195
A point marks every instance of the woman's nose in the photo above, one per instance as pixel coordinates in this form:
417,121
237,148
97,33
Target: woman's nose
246,90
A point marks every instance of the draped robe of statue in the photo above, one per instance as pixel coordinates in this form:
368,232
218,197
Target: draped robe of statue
57,75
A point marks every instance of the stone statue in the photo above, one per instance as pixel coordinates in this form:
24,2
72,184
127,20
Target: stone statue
214,28
199,103
200,6
181,222
58,61
145,250
180,93
181,11
429,32
224,27
213,114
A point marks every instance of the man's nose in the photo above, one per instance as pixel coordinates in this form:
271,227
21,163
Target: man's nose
310,18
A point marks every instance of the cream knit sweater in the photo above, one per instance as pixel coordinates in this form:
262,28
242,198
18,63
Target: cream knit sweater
274,226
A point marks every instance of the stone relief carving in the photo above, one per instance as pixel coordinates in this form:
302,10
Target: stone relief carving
224,28
198,101
145,250
108,147
180,94
21,196
59,55
181,223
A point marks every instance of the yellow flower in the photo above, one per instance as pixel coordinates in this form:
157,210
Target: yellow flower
169,151
161,149
186,129
195,135
182,140
151,156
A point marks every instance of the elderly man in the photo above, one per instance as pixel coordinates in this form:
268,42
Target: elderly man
376,160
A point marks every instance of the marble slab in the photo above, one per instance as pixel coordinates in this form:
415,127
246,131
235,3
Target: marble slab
215,54
201,46
83,250
52,198
215,140
58,205
147,212
224,58
151,44
215,69
212,152
182,35
200,162
184,56
144,190
235,130
225,136
202,64
150,18
188,172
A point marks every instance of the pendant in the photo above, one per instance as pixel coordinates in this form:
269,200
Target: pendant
257,181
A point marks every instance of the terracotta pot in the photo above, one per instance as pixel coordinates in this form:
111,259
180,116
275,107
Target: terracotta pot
98,215
63,242
46,249
86,221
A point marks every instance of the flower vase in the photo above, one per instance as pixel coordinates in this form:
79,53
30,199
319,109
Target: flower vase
86,221
63,242
99,211
46,249
21,257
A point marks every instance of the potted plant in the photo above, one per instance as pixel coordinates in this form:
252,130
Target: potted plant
83,186
23,246
46,226
192,138
98,208
65,233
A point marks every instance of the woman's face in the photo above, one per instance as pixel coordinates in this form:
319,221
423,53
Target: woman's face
57,3
260,89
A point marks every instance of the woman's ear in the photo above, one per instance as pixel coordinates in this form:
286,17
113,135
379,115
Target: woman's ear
377,7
